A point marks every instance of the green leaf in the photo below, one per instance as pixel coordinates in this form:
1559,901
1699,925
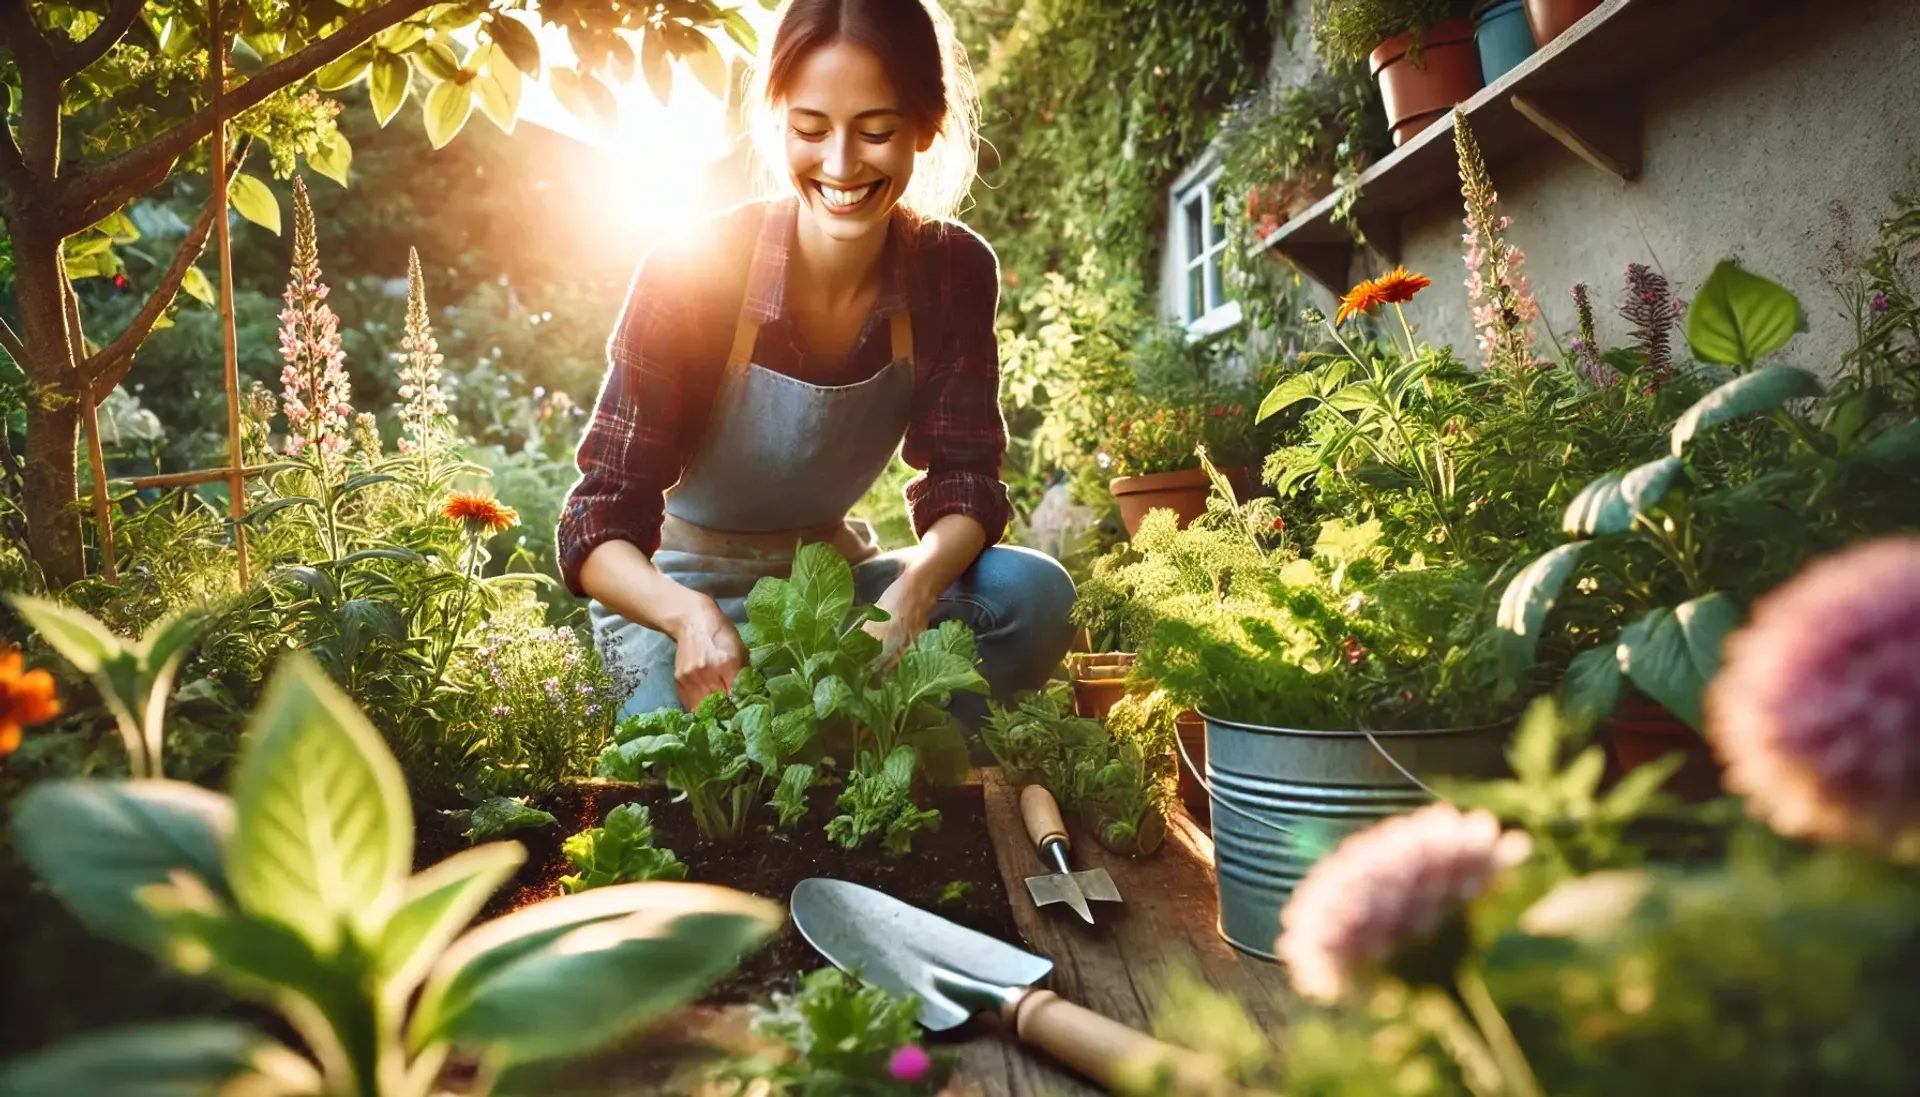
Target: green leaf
79,638
503,815
333,157
254,201
1763,390
1592,685
196,285
349,69
1637,789
790,796
1896,446
1598,510
1534,752
1738,318
1644,487
740,31
830,696
1530,597
824,581
1671,655
448,106
1300,386
516,41
497,89
1582,777
707,65
324,834
436,906
655,64
97,843
572,974
387,86
164,1059
437,60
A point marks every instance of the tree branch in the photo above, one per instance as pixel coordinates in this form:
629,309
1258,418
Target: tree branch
120,18
109,366
39,91
98,189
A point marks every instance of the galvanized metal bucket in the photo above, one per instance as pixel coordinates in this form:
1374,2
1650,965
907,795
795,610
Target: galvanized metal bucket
1283,797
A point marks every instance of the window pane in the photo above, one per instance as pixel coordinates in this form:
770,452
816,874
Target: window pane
1216,230
1216,296
1196,293
1196,228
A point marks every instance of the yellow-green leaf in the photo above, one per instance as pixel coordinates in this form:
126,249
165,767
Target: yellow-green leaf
620,59
401,38
387,87
740,30
347,70
516,41
497,88
437,60
708,66
448,106
332,158
583,96
654,62
254,201
198,286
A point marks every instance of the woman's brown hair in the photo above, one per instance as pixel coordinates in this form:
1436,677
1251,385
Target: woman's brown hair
915,44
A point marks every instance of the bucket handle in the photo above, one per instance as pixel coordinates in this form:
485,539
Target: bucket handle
1214,799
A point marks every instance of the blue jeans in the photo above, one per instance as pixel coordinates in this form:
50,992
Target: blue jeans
1014,599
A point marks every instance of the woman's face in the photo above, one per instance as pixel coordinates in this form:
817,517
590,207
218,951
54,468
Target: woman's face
850,151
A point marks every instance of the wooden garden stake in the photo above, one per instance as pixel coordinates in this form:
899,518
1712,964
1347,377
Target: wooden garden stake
236,460
102,512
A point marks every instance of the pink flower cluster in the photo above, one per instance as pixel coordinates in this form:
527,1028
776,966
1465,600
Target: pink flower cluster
1816,712
315,393
424,404
1389,885
1503,303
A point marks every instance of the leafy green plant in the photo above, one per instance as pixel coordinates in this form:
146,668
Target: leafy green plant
879,801
841,1038
702,755
1037,738
134,678
619,851
537,707
1118,778
1346,31
295,892
498,815
1828,470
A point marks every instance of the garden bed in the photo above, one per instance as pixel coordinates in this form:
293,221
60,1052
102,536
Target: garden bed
768,863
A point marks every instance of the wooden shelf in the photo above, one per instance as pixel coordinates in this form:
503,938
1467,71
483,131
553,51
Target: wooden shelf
1582,91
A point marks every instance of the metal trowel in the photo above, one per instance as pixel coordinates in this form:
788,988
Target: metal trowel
956,972
1049,833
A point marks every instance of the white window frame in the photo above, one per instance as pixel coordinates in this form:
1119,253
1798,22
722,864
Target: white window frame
1212,319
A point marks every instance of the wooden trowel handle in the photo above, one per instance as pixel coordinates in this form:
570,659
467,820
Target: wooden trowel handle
1108,1052
1042,816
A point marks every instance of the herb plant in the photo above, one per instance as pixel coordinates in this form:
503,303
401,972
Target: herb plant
295,892
1118,778
619,851
845,1040
879,801
1346,31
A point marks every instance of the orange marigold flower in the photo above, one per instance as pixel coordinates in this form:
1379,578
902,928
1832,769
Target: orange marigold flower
1362,298
24,699
1397,286
480,513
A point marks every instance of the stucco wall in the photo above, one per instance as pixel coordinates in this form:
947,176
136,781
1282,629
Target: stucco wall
1781,150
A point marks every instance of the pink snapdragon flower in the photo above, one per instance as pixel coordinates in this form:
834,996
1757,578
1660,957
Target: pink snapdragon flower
315,393
1816,711
1503,304
424,406
1392,884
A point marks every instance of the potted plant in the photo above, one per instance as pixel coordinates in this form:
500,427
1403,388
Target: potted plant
1421,51
1154,453
1114,779
1549,18
1680,543
1502,33
1285,150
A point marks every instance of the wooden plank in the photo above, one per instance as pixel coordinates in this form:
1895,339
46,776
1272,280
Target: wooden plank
189,479
1614,51
1121,965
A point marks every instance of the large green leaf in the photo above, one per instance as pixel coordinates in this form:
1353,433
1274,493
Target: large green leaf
1642,488
438,904
1762,390
387,86
740,31
332,157
1671,655
1530,597
197,286
497,89
97,843
1300,386
516,41
254,201
572,974
324,830
437,60
825,583
83,641
1610,503
1592,685
1739,318
165,1059
448,106
350,68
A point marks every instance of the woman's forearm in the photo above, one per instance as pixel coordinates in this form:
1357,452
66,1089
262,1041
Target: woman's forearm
622,578
947,549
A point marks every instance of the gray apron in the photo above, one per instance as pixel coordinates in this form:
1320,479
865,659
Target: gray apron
782,463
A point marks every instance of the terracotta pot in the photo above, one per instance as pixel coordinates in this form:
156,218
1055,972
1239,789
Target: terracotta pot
1549,18
1184,492
1193,736
1418,94
1641,730
1099,681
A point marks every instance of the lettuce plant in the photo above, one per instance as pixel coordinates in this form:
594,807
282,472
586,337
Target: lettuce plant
619,851
296,892
846,1040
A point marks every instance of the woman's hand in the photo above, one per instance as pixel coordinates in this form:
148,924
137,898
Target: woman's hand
909,600
709,655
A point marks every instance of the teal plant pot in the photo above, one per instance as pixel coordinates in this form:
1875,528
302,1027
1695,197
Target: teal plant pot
1282,798
1503,37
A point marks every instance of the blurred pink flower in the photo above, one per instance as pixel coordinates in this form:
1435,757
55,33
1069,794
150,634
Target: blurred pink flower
1816,712
315,392
1389,885
909,1063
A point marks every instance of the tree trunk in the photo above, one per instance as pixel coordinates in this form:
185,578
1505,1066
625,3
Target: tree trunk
53,405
